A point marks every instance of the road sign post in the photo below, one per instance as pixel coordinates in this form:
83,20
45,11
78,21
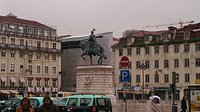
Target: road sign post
124,61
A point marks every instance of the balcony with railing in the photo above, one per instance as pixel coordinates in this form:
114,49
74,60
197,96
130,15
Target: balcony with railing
29,48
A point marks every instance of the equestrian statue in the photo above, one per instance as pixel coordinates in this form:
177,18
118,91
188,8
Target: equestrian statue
91,48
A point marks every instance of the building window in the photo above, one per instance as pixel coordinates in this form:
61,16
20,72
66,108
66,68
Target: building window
186,47
146,50
12,41
137,64
137,50
54,45
129,51
176,48
38,83
166,49
30,42
21,67
29,83
46,44
156,78
129,65
3,67
176,63
166,78
137,78
30,55
3,41
38,69
147,63
187,62
12,68
53,57
147,78
197,46
198,76
197,62
156,49
46,69
21,54
156,63
177,78
120,52
46,83
38,56
186,35
21,42
54,70
187,77
30,68
166,63
3,53
12,53
54,83
46,56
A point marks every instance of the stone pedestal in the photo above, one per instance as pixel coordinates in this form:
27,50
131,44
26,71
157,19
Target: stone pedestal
95,80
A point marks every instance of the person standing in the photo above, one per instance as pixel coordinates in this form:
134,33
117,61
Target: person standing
183,105
48,105
25,106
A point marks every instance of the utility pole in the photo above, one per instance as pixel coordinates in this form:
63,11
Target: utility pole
175,79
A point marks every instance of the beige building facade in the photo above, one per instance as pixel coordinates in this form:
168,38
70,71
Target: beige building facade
30,57
153,56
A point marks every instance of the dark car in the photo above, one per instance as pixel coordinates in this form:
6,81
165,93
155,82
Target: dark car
36,102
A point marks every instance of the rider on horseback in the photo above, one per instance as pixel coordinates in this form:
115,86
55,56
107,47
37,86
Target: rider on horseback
92,41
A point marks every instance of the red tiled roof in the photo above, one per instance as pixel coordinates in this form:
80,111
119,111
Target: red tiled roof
142,33
15,20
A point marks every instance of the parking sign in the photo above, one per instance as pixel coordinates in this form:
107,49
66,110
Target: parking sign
125,76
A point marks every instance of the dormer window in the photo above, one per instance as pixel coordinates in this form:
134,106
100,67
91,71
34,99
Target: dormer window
166,37
148,38
157,39
186,35
130,40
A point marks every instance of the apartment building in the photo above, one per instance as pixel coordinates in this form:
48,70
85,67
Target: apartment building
153,56
30,57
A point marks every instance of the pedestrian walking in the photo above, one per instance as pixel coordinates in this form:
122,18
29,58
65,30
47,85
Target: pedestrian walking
183,105
25,106
48,105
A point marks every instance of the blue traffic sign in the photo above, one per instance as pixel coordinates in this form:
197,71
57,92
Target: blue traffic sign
125,76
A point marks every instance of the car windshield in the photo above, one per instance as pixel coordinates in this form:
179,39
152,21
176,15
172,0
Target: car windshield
58,102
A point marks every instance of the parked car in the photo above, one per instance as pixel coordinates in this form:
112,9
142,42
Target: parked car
36,102
87,103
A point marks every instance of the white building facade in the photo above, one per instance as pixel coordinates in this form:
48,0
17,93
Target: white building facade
153,56
30,55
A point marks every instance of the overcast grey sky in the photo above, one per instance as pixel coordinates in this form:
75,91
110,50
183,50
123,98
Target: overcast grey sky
78,17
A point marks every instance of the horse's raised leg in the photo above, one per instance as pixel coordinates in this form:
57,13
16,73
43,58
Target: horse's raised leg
83,55
90,59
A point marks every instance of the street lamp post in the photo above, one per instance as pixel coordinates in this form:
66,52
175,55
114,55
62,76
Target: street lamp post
143,67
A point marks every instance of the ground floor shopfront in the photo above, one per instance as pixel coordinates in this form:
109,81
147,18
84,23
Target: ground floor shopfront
162,92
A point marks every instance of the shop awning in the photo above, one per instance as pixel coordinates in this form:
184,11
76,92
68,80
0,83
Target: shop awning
146,91
22,80
4,91
13,79
13,91
3,79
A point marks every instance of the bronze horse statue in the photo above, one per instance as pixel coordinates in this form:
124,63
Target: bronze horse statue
91,48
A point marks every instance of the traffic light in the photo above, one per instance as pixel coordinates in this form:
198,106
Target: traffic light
175,77
172,88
